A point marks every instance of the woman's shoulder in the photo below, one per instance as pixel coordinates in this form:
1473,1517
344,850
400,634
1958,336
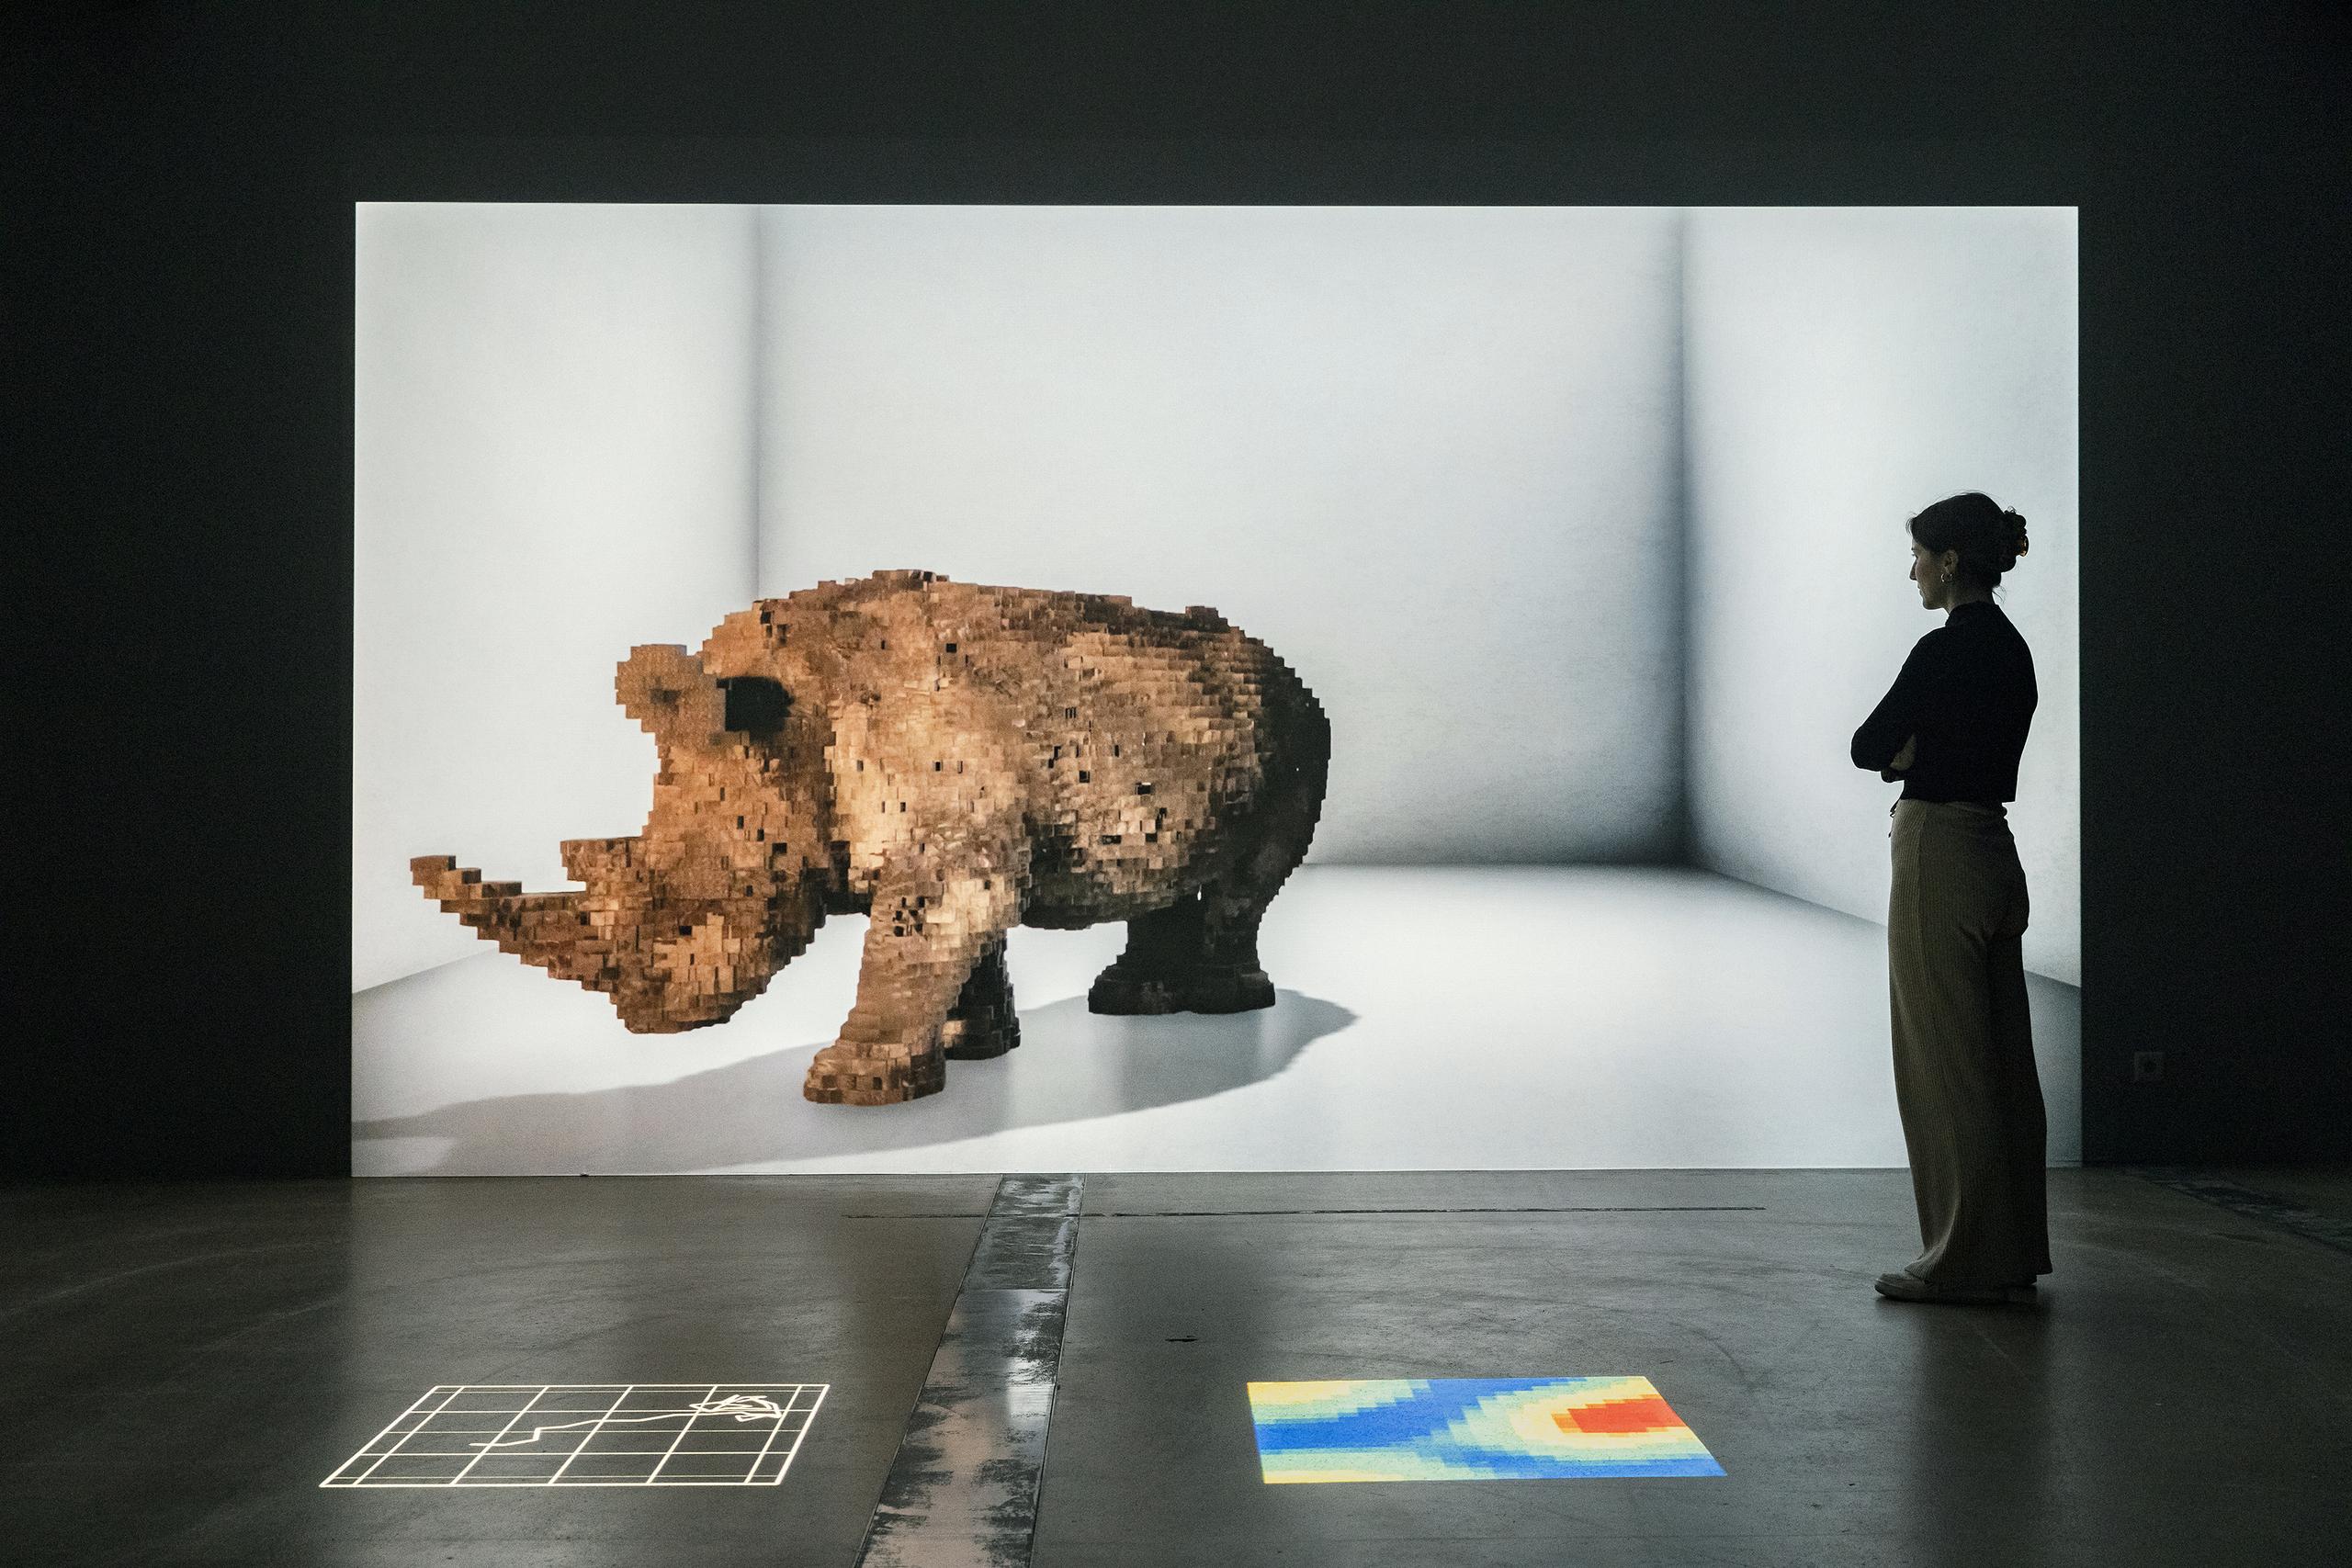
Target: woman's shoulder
1934,639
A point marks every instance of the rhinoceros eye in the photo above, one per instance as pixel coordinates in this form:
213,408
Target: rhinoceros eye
756,706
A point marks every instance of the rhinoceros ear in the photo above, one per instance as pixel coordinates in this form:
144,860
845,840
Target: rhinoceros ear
667,691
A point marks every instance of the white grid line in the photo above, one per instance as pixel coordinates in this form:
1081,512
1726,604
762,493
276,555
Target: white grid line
709,1397
773,1432
793,1452
459,1479
451,1393
590,1437
361,1478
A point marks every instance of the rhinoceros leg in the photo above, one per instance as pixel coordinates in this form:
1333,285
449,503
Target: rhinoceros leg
1200,954
1229,978
1154,972
982,1023
923,941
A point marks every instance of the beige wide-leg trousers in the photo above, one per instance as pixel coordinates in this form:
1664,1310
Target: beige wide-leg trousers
1963,1044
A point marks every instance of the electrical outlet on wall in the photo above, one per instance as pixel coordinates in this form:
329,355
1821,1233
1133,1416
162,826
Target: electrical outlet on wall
2147,1067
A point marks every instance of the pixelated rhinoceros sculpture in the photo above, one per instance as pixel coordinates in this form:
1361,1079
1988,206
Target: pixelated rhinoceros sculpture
952,761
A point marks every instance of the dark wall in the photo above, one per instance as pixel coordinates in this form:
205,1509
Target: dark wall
177,310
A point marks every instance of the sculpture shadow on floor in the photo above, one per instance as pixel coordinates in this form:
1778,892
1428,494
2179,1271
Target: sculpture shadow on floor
1072,1066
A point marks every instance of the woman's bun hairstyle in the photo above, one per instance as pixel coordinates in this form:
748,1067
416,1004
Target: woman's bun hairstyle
1989,537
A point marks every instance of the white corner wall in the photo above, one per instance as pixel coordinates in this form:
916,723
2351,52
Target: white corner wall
1427,454
554,463
1437,458
1844,367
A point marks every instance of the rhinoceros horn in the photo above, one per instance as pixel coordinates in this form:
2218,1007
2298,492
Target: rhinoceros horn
542,929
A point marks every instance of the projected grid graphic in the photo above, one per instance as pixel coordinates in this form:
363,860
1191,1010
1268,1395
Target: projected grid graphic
728,1434
1470,1429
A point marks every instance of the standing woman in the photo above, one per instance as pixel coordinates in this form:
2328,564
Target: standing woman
1952,729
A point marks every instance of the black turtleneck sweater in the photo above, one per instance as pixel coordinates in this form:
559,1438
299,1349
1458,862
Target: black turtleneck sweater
1967,692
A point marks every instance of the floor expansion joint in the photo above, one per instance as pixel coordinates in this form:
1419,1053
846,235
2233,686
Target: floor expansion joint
963,1488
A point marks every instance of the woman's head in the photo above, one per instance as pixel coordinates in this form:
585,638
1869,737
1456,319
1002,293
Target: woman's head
1961,545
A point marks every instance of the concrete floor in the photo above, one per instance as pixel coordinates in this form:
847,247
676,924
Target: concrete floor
186,1364
1641,1018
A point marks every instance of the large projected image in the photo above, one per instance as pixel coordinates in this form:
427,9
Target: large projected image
1502,587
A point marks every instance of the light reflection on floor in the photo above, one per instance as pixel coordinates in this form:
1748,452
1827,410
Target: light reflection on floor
1471,1430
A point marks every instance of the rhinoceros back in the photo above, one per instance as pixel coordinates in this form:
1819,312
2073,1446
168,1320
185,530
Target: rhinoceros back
1137,743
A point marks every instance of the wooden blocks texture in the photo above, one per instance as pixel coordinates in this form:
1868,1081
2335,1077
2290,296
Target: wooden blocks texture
953,760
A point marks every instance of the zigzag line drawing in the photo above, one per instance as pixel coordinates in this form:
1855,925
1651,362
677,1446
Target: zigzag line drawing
742,1406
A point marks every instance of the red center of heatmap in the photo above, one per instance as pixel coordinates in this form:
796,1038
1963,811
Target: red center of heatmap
1644,1413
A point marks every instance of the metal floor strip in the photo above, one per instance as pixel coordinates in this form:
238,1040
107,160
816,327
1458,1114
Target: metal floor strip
963,1491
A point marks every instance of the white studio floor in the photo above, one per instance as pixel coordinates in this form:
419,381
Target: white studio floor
1430,1018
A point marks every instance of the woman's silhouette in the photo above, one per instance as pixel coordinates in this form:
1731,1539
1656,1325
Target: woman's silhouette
1952,729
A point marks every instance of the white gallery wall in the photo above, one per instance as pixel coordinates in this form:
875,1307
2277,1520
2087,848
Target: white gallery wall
1579,520
1428,455
555,442
1845,367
